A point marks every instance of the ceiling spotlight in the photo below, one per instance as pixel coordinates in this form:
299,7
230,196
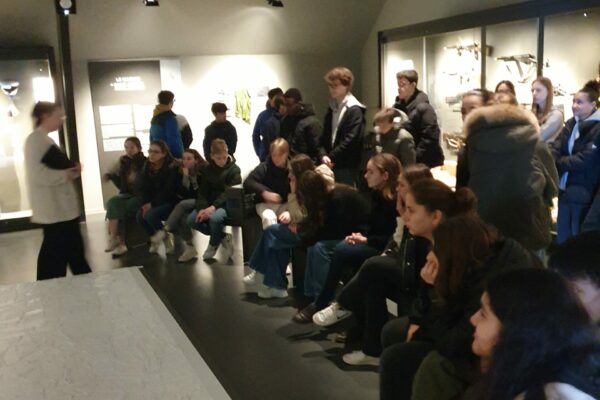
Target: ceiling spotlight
275,3
65,7
151,3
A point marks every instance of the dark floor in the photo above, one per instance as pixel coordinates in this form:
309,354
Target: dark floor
251,345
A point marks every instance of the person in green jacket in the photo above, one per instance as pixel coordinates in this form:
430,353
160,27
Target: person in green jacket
210,213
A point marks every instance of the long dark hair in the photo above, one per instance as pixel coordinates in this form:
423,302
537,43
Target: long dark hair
461,244
416,172
313,195
436,195
545,333
299,164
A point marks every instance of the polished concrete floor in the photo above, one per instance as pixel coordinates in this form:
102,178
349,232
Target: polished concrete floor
251,345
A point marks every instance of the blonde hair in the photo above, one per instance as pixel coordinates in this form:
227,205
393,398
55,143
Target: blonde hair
218,147
279,144
342,74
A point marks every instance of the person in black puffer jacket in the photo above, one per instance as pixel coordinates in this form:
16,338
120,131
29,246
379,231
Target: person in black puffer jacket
189,179
423,123
158,184
299,126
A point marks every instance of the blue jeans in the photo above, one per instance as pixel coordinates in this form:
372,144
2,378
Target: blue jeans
154,217
212,226
318,258
272,254
346,257
570,220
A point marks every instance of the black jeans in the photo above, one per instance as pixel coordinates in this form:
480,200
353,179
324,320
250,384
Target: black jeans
365,295
346,257
62,245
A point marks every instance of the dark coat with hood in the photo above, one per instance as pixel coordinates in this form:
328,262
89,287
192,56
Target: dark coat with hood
345,151
267,177
258,133
583,164
302,131
214,183
159,187
423,125
511,172
220,130
270,132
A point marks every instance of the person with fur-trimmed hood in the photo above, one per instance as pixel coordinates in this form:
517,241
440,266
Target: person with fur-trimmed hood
511,172
343,132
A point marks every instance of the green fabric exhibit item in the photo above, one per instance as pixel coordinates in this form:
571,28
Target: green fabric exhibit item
243,105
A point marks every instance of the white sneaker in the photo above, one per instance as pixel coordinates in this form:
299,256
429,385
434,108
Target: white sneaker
360,358
266,292
227,246
113,243
158,237
210,252
169,243
153,249
253,278
330,315
188,254
120,250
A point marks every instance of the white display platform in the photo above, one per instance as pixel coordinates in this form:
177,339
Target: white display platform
97,336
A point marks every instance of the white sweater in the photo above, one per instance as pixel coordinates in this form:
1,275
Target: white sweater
52,196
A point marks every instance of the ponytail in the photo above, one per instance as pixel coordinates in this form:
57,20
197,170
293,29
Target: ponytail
435,195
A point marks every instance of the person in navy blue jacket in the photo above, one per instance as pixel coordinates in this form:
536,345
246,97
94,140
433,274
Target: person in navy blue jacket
164,124
577,160
258,134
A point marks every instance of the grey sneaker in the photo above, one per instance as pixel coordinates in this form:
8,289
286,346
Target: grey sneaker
209,253
227,246
189,253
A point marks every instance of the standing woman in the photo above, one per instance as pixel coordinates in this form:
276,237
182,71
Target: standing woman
549,116
158,186
54,202
578,162
124,205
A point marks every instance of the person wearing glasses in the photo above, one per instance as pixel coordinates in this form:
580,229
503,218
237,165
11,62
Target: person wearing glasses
423,123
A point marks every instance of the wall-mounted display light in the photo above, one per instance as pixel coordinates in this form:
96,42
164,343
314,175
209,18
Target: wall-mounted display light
66,7
151,3
275,3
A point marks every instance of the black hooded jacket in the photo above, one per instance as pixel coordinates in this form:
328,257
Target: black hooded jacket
423,125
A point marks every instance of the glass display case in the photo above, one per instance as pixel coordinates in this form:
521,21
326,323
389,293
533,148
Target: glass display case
26,77
515,43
